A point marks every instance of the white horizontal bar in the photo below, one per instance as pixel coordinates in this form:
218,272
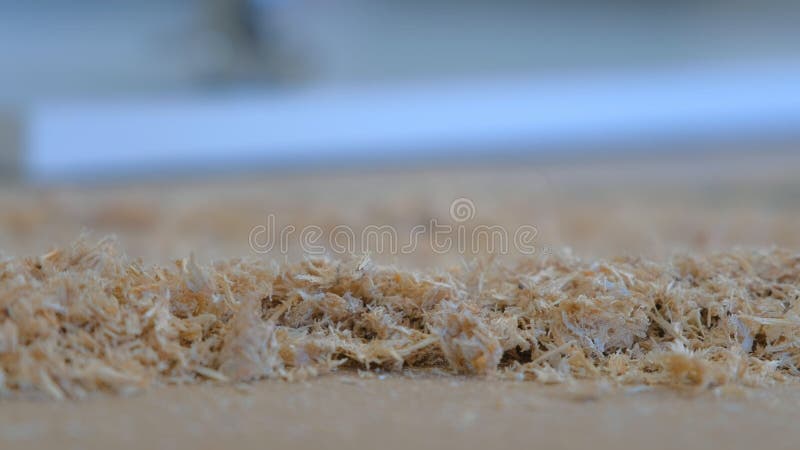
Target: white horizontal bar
69,138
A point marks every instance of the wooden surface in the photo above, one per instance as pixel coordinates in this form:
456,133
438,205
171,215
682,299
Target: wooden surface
652,207
344,411
645,207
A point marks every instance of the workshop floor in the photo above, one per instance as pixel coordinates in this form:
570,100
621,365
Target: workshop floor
652,208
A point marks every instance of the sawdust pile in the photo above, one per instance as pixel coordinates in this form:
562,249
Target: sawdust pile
86,318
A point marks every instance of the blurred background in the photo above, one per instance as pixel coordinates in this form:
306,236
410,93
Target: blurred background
612,126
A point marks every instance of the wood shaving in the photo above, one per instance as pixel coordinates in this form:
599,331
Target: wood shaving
86,318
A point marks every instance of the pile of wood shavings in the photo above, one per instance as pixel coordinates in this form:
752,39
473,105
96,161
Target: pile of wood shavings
86,318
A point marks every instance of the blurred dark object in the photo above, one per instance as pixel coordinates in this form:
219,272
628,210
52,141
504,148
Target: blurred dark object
10,146
93,47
